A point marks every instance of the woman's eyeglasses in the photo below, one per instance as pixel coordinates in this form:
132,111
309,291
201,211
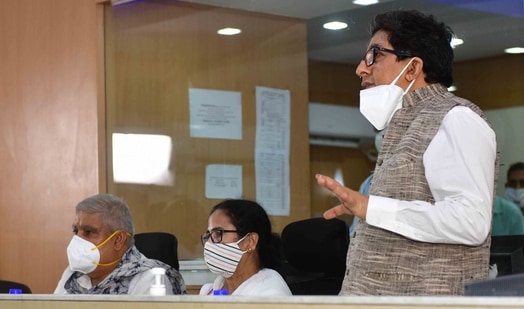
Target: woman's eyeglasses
215,235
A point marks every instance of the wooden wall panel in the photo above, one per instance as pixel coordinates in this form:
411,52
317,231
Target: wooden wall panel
48,133
490,83
156,51
333,83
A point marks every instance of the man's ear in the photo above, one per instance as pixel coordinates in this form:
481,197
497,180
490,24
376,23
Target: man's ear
121,240
414,69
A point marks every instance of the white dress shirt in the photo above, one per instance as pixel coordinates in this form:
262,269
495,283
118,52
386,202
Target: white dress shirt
459,167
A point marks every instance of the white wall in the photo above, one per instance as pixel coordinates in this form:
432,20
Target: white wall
509,127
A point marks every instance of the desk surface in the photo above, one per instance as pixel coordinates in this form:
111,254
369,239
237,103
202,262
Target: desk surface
230,302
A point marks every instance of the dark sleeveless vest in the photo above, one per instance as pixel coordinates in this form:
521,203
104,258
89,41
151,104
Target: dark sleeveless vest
381,262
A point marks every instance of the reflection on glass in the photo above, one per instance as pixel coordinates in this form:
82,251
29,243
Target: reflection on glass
339,176
142,159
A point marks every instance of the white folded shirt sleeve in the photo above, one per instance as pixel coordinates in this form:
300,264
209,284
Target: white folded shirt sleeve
459,165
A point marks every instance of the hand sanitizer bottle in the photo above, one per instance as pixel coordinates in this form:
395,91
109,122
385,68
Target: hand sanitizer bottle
158,288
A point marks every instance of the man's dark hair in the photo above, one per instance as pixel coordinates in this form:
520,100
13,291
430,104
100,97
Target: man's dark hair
422,36
519,166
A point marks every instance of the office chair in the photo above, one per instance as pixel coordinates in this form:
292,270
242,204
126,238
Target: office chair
314,252
159,246
510,285
6,285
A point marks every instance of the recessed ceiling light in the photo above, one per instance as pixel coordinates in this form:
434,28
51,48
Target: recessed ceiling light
229,31
335,25
515,50
365,2
456,42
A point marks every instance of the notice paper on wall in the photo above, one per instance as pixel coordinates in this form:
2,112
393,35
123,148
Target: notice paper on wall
215,114
272,150
223,181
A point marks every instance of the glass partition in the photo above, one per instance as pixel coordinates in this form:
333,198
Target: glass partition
194,117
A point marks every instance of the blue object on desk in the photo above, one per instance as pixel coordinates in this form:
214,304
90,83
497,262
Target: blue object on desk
222,292
15,291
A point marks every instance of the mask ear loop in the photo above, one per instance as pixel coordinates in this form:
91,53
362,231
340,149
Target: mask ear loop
238,241
103,243
108,264
394,82
106,240
409,86
399,105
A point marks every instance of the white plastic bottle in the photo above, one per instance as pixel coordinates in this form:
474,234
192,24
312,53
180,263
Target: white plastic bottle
158,288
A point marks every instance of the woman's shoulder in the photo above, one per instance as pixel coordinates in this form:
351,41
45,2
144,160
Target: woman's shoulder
266,282
269,273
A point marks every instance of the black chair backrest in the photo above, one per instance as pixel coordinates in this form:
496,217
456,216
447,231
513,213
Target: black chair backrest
159,246
315,250
6,285
316,244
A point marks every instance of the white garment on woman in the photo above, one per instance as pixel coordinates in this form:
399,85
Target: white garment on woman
265,282
460,172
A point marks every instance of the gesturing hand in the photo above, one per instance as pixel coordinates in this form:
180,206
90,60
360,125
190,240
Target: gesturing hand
351,201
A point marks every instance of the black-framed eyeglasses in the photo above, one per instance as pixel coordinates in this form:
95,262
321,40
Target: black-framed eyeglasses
371,54
215,235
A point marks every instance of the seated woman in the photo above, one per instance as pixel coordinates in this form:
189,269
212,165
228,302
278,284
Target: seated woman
238,248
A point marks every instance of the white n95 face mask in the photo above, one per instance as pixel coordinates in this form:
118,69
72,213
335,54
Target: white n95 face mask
223,259
83,255
379,103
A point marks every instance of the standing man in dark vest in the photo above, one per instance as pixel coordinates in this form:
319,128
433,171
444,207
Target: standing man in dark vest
426,222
